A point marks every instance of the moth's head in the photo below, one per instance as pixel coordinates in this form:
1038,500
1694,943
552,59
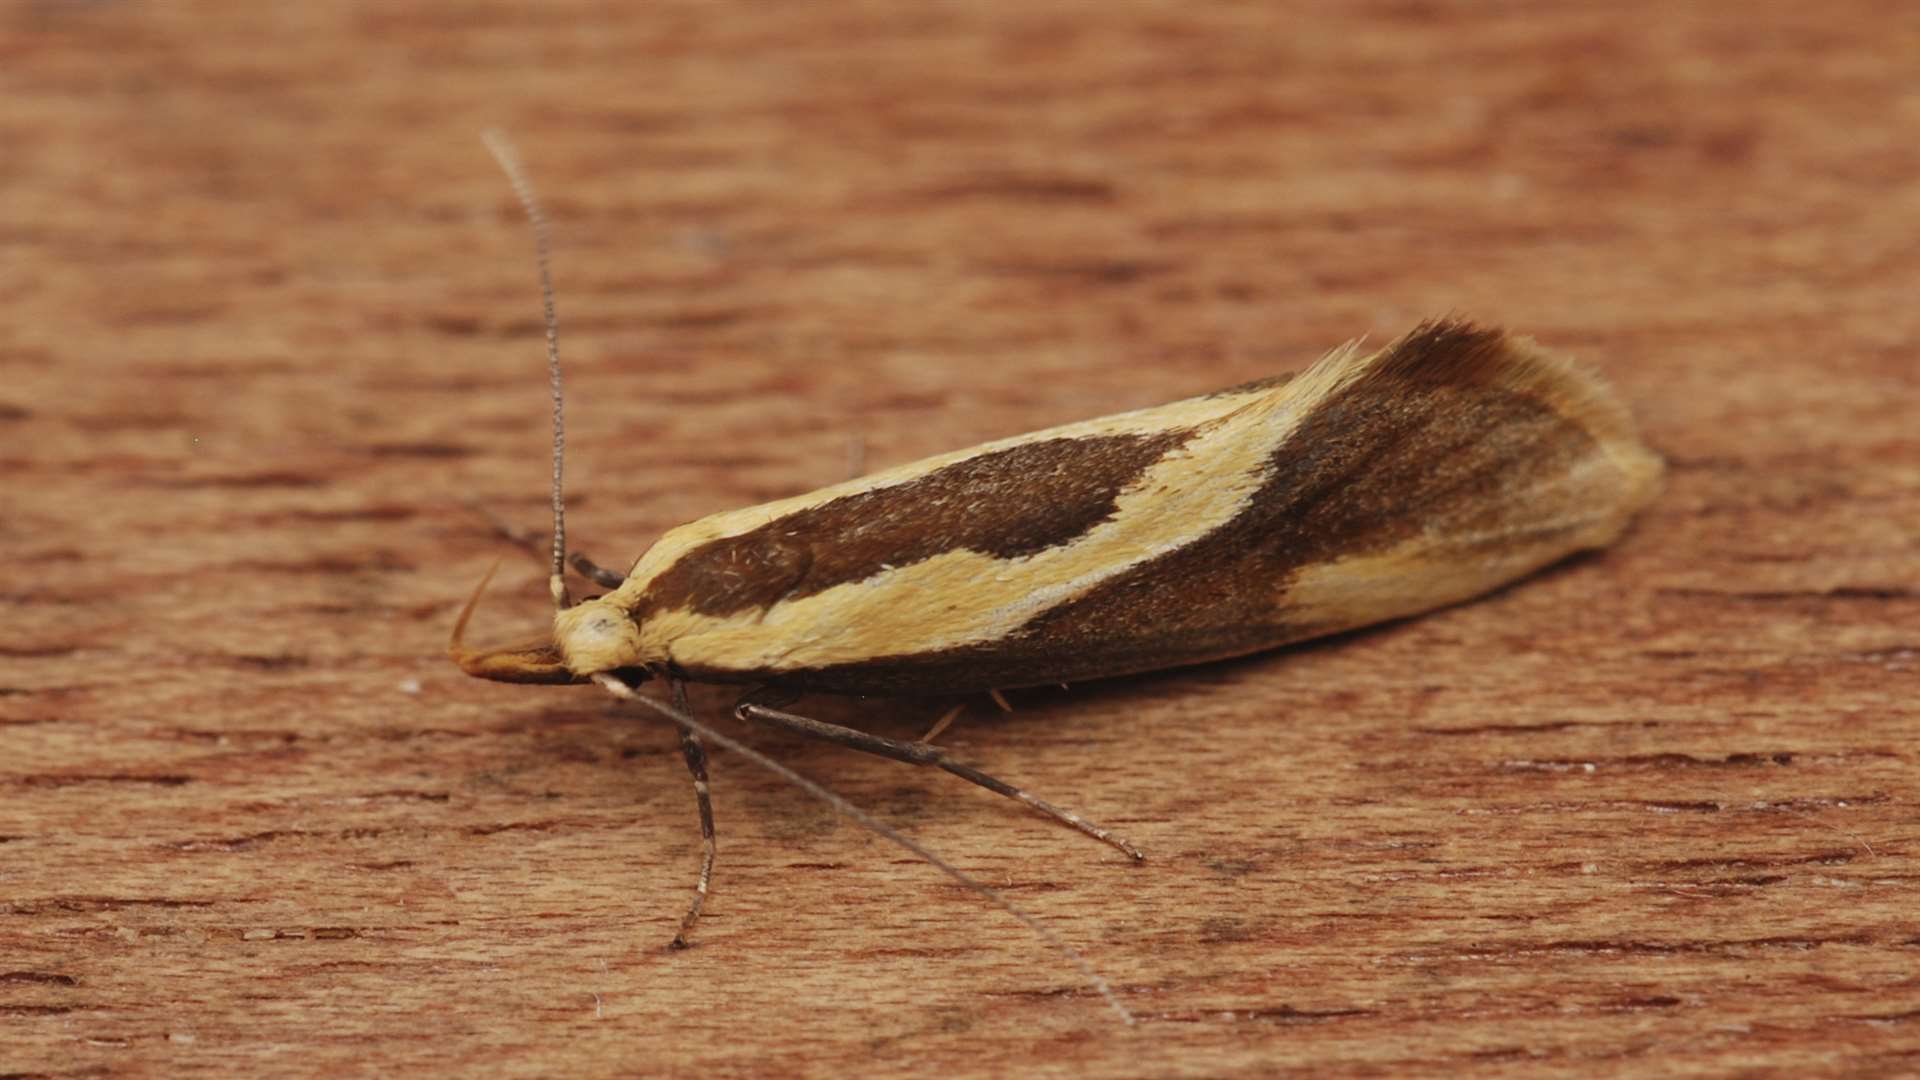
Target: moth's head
596,635
591,636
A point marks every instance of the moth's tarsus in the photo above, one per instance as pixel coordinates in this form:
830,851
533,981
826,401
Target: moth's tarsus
622,690
924,752
696,757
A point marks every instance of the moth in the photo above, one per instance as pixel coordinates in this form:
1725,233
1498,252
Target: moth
1371,486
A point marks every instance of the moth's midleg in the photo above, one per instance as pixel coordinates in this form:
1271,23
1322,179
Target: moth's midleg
623,690
924,753
695,753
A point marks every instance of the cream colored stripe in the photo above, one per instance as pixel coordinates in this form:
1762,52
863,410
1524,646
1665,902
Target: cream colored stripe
1187,413
963,597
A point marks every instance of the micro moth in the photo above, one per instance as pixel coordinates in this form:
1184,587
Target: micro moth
1372,486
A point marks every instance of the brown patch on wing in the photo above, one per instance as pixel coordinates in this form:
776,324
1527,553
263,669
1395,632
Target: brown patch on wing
738,573
1008,503
1425,444
1455,434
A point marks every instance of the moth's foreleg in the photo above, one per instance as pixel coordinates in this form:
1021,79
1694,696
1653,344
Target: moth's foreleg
695,752
592,571
922,753
535,544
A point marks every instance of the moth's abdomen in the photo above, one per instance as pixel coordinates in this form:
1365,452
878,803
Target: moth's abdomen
1369,488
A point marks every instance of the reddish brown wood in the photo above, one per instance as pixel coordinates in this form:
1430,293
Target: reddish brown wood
272,326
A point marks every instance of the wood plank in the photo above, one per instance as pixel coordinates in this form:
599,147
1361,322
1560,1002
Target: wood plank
273,332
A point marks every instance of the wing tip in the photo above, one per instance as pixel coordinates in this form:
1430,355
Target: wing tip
1452,349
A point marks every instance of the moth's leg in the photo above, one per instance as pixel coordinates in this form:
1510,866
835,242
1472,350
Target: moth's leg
921,753
696,754
535,544
594,572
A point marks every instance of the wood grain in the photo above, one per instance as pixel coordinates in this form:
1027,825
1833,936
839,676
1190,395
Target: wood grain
271,331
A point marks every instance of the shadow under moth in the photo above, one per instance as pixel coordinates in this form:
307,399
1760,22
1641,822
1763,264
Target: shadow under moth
1371,486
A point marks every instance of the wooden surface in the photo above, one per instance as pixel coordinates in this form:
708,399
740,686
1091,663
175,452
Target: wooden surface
270,326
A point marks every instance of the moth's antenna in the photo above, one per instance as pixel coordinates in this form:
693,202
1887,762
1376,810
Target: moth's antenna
620,689
503,153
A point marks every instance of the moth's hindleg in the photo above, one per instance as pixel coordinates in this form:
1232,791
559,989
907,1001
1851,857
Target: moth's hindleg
535,544
921,753
695,753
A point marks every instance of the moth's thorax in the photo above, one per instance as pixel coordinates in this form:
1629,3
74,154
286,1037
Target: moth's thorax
599,635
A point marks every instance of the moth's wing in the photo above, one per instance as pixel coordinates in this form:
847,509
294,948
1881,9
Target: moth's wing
1370,487
1492,458
1450,463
